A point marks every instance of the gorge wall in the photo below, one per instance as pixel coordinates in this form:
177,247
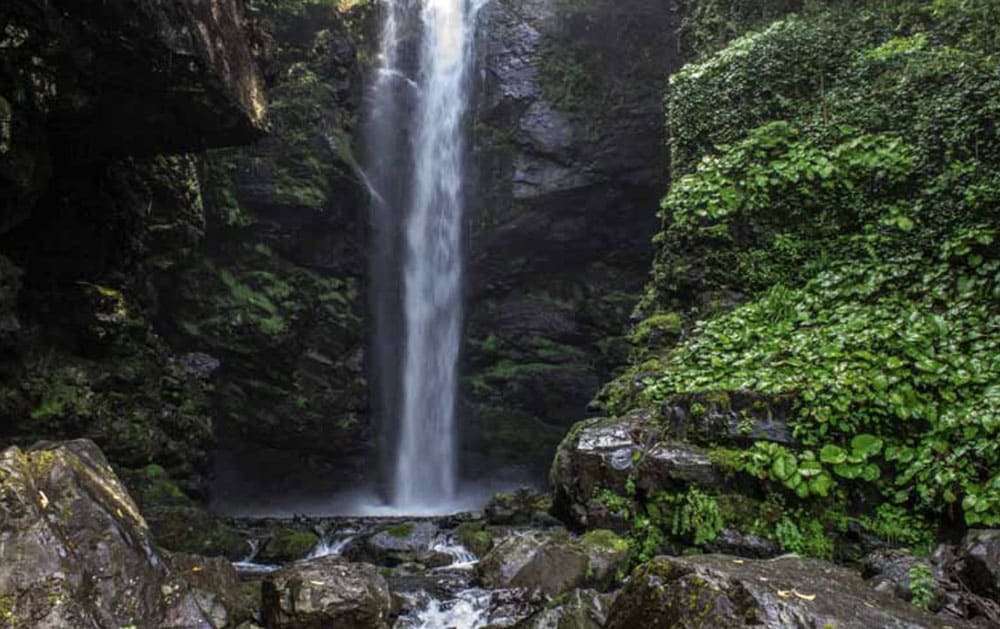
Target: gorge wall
97,106
569,151
204,309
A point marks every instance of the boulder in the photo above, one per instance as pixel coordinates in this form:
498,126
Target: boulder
605,453
326,592
892,571
288,545
404,542
979,555
579,609
475,537
520,507
76,552
721,591
554,562
216,587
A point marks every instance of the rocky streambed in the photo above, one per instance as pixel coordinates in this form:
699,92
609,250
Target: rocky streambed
75,551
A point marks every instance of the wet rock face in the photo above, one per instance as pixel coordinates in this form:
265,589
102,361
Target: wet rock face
74,550
402,544
710,591
568,141
603,453
326,592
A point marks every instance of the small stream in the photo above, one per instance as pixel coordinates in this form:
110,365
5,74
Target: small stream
440,597
467,609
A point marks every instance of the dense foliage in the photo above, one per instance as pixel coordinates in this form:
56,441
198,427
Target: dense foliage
831,235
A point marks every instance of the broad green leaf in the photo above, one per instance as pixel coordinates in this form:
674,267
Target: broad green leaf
832,455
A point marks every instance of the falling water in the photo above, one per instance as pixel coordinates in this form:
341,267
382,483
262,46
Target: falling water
418,228
425,470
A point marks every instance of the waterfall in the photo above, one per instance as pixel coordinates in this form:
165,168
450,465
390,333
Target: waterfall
418,250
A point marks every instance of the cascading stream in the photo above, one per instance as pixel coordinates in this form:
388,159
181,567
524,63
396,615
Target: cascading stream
419,251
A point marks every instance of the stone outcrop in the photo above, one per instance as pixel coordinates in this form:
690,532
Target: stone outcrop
716,591
326,592
554,562
76,552
603,454
216,588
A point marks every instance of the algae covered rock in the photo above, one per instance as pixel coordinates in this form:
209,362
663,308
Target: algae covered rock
475,537
326,592
519,507
721,591
74,549
288,545
400,543
554,562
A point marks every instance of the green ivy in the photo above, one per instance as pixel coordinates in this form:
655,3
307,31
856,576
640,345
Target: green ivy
830,237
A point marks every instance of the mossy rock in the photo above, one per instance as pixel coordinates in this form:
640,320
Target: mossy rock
519,507
191,529
288,545
602,539
401,530
475,537
660,330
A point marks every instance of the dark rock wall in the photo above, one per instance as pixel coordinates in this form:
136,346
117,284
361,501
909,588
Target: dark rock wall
569,149
93,97
275,291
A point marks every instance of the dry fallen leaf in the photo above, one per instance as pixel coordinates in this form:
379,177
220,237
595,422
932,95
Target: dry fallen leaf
43,499
805,597
196,569
785,593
